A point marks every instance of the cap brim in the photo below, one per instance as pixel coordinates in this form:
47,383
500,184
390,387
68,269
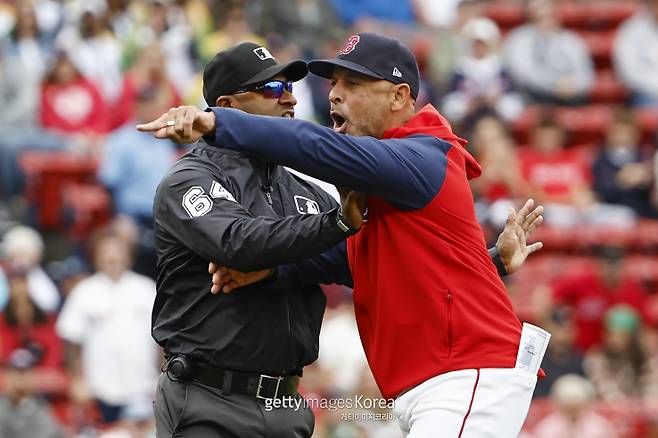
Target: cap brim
325,68
293,71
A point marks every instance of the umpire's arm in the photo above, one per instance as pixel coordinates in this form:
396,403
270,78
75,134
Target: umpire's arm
195,206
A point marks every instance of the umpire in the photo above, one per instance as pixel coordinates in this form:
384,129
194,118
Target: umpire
228,354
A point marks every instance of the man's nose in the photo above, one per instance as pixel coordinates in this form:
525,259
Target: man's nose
288,97
335,94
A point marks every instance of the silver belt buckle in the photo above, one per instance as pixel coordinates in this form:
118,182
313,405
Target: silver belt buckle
260,386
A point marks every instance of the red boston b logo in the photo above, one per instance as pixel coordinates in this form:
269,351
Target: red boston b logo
350,45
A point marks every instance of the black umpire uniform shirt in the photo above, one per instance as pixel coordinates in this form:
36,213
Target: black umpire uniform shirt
222,206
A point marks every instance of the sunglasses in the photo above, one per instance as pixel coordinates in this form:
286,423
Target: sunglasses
270,90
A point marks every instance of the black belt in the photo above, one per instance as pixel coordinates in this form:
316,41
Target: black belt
261,386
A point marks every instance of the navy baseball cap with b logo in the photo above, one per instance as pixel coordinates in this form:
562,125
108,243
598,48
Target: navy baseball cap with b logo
243,65
376,56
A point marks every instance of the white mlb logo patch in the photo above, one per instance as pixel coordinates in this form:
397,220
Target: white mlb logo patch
263,53
306,205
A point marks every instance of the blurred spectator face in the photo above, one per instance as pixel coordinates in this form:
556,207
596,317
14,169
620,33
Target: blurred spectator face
622,325
148,105
548,138
158,17
23,248
610,265
572,395
618,341
112,256
26,22
483,35
20,302
117,5
487,130
561,327
63,71
467,10
89,25
542,14
152,60
623,134
236,22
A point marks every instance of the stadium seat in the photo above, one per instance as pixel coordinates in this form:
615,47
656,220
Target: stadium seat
87,206
647,119
507,14
585,125
600,15
600,44
47,175
608,89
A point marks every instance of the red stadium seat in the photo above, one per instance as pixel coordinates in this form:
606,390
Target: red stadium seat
647,119
89,208
47,175
600,15
608,89
600,45
585,125
507,14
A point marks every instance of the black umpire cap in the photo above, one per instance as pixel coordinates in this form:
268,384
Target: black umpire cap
243,65
376,56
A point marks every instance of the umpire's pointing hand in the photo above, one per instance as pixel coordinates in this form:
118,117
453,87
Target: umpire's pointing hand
185,124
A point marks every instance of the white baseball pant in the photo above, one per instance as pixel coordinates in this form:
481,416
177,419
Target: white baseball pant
473,403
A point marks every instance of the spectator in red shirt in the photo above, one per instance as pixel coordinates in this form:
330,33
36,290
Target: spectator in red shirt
24,325
147,72
560,179
554,174
590,295
71,104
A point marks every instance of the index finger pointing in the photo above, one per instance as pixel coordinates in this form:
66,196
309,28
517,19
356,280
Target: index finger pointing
159,123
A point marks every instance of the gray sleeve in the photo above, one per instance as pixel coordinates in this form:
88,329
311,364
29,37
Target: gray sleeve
632,59
18,99
519,53
582,69
519,58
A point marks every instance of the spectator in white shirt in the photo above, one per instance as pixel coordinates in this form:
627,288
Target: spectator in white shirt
552,64
480,81
22,249
636,55
106,320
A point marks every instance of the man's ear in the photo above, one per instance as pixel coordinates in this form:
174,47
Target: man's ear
401,96
227,102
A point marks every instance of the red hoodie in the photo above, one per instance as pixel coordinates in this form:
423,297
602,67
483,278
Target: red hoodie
427,296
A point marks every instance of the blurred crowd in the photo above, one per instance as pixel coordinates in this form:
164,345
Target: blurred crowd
559,102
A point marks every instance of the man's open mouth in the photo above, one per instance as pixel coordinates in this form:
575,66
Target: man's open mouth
340,123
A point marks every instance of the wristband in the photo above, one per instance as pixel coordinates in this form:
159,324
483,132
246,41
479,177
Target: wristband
343,224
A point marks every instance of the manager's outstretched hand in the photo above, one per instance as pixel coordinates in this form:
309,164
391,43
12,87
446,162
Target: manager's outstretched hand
512,243
185,124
